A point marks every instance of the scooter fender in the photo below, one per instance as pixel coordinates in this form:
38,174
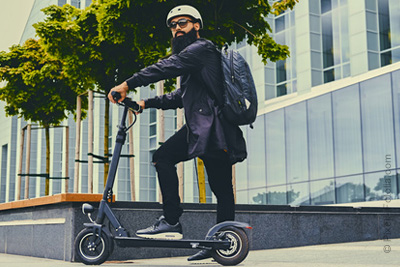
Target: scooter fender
221,225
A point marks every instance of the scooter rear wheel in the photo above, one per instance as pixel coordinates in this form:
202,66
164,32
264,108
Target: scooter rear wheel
238,250
92,249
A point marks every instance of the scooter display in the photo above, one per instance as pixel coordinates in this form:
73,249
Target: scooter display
227,241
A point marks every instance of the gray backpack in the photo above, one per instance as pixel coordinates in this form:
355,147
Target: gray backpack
240,95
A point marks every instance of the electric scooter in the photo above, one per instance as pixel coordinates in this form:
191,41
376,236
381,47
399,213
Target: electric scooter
227,241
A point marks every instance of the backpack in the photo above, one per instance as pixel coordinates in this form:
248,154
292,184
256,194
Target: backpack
240,96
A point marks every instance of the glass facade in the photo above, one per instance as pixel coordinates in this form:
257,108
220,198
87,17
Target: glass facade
338,147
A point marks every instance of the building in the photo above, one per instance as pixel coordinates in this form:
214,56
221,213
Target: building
328,125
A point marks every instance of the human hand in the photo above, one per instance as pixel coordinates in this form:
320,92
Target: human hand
122,89
141,103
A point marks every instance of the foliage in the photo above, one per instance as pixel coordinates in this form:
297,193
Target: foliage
110,40
142,24
37,89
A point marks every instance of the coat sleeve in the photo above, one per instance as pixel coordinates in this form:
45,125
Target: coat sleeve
172,100
189,60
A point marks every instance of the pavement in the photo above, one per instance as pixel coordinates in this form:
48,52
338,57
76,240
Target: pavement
367,253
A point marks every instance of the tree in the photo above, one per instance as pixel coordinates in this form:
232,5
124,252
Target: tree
37,88
72,35
110,40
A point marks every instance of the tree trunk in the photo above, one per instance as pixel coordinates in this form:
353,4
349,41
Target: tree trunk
47,186
27,159
90,142
106,134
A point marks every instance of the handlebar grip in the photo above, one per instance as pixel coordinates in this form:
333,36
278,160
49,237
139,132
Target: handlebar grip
127,101
116,96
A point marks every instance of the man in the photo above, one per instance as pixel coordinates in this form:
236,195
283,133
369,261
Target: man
206,134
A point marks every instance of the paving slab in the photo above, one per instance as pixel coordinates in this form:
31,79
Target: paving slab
355,254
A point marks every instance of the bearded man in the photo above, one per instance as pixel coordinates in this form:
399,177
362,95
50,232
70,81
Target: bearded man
206,134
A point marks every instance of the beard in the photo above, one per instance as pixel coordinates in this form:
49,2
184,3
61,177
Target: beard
181,42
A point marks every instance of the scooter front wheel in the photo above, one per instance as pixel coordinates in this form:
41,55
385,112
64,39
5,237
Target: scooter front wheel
238,249
92,249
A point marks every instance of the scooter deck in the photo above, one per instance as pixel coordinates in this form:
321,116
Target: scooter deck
181,243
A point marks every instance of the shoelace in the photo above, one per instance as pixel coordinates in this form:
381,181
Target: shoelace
154,226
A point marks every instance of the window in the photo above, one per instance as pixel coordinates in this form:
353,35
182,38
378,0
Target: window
285,70
377,122
396,101
320,137
275,145
3,176
389,29
296,143
256,160
335,39
347,131
384,24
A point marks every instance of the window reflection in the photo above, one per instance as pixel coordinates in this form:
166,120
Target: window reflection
326,6
276,195
379,186
258,196
327,40
322,192
298,194
350,189
384,24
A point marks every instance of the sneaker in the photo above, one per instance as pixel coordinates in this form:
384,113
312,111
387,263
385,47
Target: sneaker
162,230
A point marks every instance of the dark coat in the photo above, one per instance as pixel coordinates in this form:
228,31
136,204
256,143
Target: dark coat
199,66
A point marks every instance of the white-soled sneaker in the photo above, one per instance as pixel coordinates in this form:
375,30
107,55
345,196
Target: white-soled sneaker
162,230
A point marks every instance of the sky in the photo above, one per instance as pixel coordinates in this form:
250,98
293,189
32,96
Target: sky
13,17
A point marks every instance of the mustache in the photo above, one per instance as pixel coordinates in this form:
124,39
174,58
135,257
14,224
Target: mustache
184,33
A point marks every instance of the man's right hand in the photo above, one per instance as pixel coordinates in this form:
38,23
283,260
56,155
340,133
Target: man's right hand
122,89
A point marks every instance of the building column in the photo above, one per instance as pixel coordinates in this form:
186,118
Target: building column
303,47
358,37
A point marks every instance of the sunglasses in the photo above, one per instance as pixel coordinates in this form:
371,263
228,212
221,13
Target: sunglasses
182,23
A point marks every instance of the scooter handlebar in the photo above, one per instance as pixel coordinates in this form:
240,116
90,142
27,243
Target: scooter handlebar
127,101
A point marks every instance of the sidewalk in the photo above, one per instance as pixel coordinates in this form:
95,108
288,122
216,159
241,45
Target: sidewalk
370,253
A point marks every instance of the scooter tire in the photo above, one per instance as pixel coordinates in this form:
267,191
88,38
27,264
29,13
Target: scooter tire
238,250
92,252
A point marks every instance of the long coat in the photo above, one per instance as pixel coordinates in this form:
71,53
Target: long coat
199,66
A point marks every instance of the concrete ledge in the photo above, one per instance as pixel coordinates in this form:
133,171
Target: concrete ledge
48,229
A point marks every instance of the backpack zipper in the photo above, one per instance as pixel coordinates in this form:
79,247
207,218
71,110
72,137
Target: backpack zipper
232,70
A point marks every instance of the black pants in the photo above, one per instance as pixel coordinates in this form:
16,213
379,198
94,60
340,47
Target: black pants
218,167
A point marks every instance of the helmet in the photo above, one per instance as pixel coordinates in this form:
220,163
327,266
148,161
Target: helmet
185,10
